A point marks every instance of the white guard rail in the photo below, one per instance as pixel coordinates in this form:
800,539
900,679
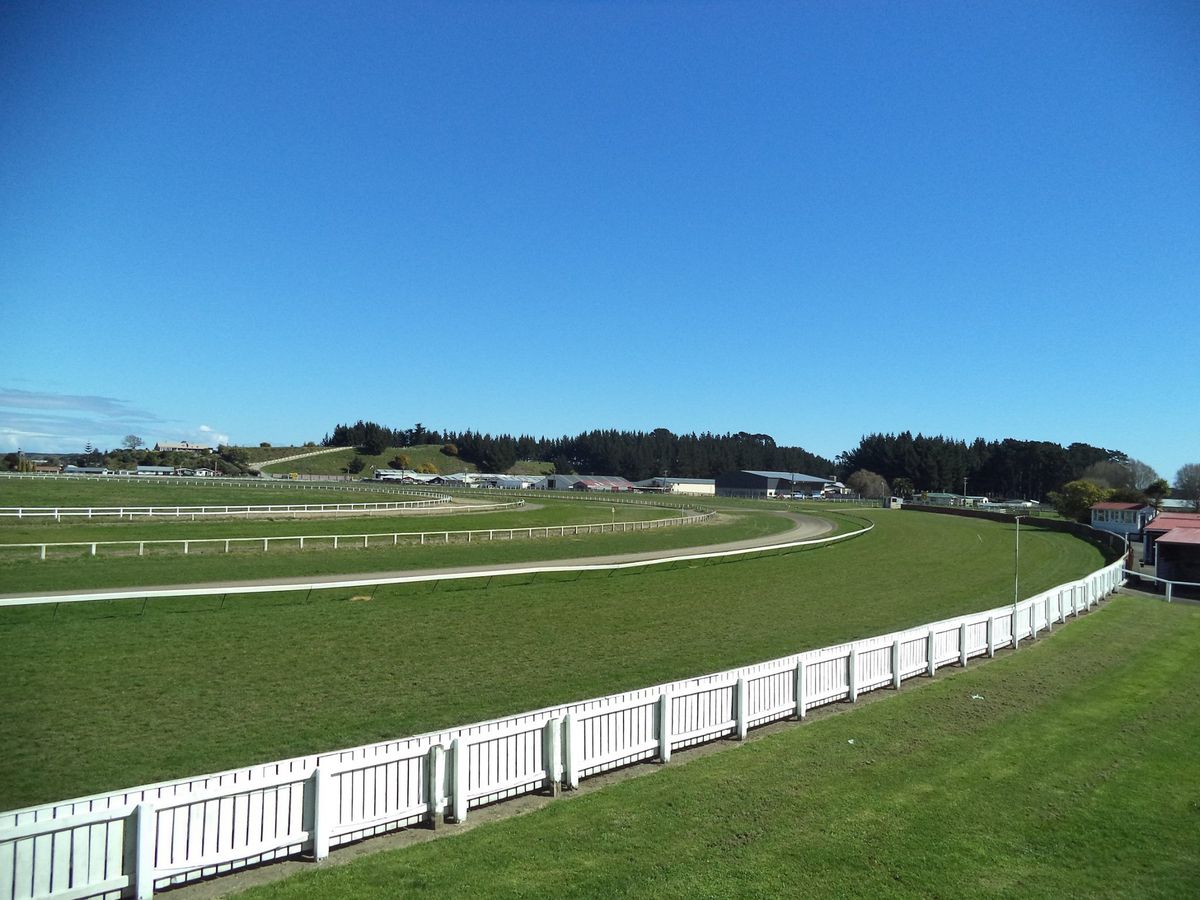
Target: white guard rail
150,837
58,513
363,541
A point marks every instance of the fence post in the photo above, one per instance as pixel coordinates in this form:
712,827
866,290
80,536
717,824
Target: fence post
1169,585
552,754
458,780
962,645
801,709
852,674
144,822
930,662
435,771
1015,642
991,636
664,728
571,747
896,664
741,695
322,804
1049,619
93,549
42,552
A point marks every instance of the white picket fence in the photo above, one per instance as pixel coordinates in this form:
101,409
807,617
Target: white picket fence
363,541
135,841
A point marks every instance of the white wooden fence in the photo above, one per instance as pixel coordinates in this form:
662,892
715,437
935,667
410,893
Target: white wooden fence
58,513
362,541
358,487
141,839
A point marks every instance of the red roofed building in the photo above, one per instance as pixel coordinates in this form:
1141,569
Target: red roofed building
1179,534
1121,518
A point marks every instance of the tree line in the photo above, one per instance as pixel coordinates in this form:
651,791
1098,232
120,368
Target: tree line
995,469
635,455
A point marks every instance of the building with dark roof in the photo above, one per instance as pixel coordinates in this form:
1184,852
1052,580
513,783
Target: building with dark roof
701,486
755,484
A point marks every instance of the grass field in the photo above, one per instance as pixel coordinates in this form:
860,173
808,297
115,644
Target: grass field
74,569
104,696
80,492
1064,770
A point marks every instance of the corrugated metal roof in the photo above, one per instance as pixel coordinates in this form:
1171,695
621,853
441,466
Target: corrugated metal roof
1109,505
1181,536
1168,521
787,476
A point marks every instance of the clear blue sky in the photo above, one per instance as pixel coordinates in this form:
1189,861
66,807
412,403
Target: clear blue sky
250,221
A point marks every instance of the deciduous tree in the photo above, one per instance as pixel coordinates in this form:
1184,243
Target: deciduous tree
1076,498
1187,484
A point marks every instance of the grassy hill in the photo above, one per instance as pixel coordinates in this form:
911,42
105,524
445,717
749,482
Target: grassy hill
335,463
258,454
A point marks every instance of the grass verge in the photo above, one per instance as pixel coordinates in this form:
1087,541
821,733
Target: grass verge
1064,770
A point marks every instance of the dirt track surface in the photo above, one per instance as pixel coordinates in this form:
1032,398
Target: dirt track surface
804,527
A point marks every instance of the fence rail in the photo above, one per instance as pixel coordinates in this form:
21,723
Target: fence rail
58,513
154,836
361,541
265,483
451,575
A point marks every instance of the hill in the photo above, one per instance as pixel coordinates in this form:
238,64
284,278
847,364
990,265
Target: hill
335,463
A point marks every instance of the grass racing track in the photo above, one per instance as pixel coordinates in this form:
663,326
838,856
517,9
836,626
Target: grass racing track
101,696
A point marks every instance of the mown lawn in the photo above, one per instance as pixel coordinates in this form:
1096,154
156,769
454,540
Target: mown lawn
103,696
67,568
1067,769
84,491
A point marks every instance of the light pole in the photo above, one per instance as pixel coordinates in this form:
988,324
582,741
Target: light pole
1016,580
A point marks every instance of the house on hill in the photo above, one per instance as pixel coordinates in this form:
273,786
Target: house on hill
1124,519
180,447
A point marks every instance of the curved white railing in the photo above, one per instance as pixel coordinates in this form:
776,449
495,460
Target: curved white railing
58,513
375,581
364,541
154,836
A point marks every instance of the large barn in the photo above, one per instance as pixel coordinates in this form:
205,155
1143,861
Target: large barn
700,486
755,484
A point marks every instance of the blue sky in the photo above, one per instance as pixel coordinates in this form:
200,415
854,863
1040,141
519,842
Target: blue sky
247,222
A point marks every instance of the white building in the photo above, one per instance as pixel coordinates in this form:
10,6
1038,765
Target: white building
706,487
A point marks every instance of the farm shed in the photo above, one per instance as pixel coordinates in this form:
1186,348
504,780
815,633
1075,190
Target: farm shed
583,483
752,483
701,486
1178,555
1161,525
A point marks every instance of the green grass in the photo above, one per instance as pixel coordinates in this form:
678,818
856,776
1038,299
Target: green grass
84,491
259,454
335,463
99,696
75,569
1074,775
438,518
